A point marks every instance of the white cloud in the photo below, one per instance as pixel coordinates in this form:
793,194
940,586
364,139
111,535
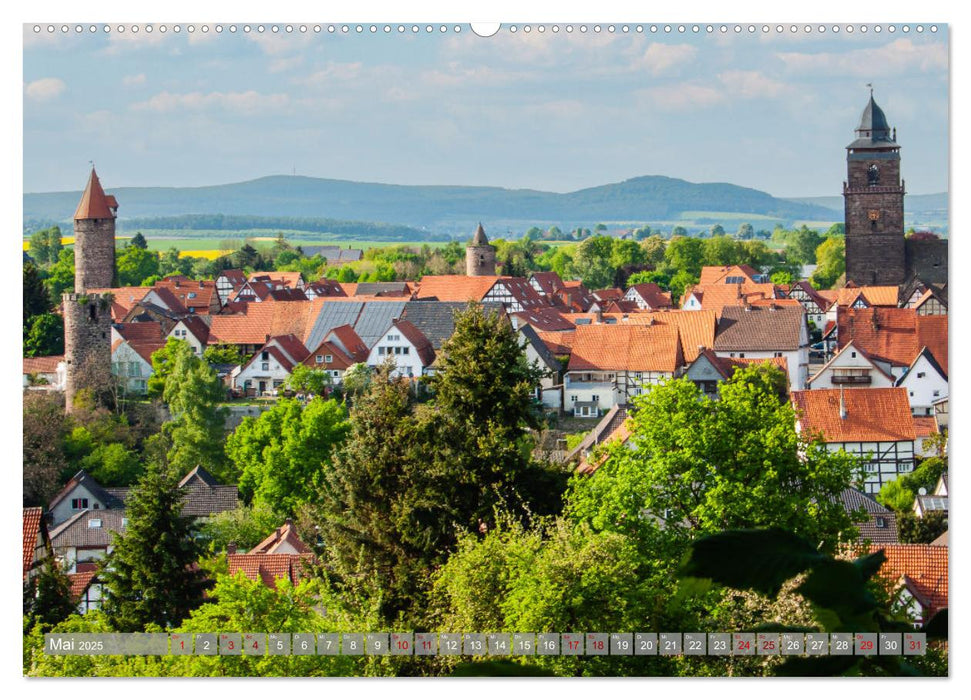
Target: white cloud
661,58
752,84
119,42
893,59
330,73
679,96
455,74
275,44
280,65
44,89
133,80
247,102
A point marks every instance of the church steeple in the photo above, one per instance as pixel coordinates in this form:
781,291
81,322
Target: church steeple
95,204
873,131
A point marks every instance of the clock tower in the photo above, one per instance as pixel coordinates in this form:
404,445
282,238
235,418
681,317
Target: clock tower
874,203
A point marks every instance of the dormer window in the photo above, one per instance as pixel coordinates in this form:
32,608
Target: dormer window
94,523
881,522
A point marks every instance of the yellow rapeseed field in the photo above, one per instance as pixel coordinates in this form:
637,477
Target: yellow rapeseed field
65,240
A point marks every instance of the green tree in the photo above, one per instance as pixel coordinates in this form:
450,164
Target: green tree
113,464
661,279
625,253
44,429
923,530
695,466
356,379
831,262
193,392
222,355
282,455
717,230
246,526
45,245
149,576
44,336
36,299
47,596
138,241
592,262
171,262
722,250
679,231
653,249
782,277
136,264
756,254
641,233
680,282
837,229
745,231
685,255
801,245
306,380
60,277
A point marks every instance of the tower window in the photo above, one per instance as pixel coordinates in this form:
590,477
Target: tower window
873,175
92,312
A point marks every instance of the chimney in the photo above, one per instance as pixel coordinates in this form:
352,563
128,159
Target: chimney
842,405
231,548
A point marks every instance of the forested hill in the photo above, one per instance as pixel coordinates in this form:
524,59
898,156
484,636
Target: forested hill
434,208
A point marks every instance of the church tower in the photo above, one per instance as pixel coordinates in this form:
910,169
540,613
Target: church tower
87,316
874,203
480,257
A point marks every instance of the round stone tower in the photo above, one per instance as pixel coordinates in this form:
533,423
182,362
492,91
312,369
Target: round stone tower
87,316
94,238
480,257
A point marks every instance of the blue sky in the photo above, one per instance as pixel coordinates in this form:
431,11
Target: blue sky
546,111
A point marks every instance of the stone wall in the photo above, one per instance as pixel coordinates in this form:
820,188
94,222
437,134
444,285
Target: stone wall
927,260
480,261
94,254
87,344
874,218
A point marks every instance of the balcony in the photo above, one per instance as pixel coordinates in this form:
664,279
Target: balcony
852,379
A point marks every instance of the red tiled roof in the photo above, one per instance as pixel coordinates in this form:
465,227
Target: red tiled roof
80,583
544,319
635,348
715,297
94,204
42,365
607,294
893,335
874,296
455,287
267,568
621,306
558,342
696,328
872,415
144,338
549,282
713,274
924,566
32,518
351,341
592,462
925,426
123,299
653,295
285,535
258,322
181,287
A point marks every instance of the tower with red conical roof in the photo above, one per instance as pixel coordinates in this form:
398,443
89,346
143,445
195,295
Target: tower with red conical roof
94,238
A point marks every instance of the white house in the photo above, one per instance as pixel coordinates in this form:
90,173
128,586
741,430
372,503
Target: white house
82,493
766,332
550,389
648,297
48,373
412,352
192,330
925,383
851,368
610,364
270,367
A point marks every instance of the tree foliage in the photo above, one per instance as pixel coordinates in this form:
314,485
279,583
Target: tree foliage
149,576
44,336
47,595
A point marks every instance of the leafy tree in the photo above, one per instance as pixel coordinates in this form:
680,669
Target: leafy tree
246,526
161,367
685,255
356,379
679,231
306,380
138,241
45,245
641,233
592,262
44,336
722,250
924,530
171,262
47,596
282,455
680,282
695,466
745,232
197,429
717,230
36,299
625,253
801,245
900,493
44,429
837,229
60,277
150,576
136,264
661,279
222,355
782,277
653,248
831,262
113,464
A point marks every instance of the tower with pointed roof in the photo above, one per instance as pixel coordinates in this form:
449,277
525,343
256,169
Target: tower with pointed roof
873,195
94,238
480,257
87,316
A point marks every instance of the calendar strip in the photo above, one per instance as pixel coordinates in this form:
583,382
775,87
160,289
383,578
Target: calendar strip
491,644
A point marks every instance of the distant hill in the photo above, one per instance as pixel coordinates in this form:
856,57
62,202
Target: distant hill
435,209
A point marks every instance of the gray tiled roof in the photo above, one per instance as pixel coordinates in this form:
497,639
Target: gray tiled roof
202,500
870,529
368,319
436,319
78,530
760,328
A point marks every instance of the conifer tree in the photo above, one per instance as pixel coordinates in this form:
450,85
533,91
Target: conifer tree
47,596
150,575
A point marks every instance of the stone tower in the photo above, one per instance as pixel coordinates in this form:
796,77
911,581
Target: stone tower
874,203
480,257
94,238
87,316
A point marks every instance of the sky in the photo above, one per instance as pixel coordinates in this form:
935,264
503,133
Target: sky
550,111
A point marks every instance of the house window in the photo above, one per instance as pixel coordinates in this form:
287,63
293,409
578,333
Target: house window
853,353
921,375
741,354
328,358
265,355
335,374
595,398
937,393
381,350
320,359
881,522
79,503
397,351
94,523
406,351
778,354
266,366
573,399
